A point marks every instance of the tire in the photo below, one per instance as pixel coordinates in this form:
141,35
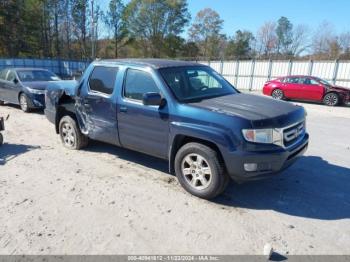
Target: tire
2,102
70,134
331,99
1,139
277,94
191,173
24,103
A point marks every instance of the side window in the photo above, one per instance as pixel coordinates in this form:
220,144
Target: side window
314,82
11,76
3,74
138,83
102,79
292,80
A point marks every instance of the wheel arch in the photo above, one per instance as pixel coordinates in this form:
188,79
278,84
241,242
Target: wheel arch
63,110
180,140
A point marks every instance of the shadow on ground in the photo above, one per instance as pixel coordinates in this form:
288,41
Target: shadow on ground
10,151
129,155
311,188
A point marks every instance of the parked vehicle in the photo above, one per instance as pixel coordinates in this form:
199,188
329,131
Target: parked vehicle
25,86
307,88
183,112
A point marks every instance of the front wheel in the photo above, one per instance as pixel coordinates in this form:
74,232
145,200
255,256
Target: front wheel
331,99
24,102
200,170
277,94
70,134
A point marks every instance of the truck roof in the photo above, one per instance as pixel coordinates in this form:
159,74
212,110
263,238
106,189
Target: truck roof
154,63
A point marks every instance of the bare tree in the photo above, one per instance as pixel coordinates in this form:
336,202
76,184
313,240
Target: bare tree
300,40
267,39
344,41
323,38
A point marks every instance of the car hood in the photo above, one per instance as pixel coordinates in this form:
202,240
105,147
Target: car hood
39,85
340,88
261,111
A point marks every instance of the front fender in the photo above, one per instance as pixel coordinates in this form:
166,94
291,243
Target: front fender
224,139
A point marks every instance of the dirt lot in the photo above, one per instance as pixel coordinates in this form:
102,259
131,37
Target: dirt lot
106,200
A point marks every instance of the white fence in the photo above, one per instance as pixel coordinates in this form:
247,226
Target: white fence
248,74
253,74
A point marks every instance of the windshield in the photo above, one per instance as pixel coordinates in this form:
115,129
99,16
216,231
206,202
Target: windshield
196,83
37,75
323,82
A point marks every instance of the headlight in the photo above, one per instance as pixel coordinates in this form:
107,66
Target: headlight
36,91
265,136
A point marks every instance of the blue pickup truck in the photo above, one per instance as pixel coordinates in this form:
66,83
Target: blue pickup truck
183,112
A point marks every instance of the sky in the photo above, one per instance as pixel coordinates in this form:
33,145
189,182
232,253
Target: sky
251,14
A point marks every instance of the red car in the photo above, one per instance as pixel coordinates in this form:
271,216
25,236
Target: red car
306,88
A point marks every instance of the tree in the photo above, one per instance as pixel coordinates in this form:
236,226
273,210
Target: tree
322,38
80,23
267,39
190,50
152,21
344,41
114,21
240,46
300,41
205,31
284,32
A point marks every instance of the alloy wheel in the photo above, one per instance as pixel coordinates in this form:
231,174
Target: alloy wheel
23,102
196,171
331,99
68,135
277,94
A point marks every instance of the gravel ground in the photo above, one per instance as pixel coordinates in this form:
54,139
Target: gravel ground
107,200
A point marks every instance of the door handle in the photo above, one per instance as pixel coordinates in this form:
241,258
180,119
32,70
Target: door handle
123,109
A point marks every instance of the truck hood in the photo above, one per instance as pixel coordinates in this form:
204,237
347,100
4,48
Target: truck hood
261,111
69,87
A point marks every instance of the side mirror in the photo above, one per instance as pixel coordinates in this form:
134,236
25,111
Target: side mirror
15,81
152,99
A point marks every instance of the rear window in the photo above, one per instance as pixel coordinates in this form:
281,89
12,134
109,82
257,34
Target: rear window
36,75
102,79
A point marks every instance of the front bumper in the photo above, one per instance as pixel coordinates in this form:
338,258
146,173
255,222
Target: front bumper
38,101
269,162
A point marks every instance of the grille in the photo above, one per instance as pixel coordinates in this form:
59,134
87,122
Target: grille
293,133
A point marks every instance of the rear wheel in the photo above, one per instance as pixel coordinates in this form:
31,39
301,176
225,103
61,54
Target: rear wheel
277,94
70,134
200,171
331,99
24,102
